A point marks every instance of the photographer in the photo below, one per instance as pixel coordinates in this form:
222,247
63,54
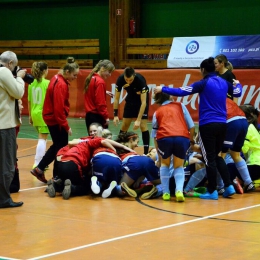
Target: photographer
11,89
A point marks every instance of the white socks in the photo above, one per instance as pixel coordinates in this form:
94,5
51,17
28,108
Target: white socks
40,151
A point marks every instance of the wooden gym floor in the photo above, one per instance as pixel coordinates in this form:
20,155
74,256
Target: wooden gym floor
90,227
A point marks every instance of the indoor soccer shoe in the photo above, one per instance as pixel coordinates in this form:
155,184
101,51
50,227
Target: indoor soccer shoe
237,186
144,188
191,194
201,190
50,188
106,193
67,189
210,196
94,185
249,188
166,196
229,191
127,190
179,196
150,194
39,174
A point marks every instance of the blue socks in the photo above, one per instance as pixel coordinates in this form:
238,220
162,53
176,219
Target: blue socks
179,178
165,178
244,173
195,179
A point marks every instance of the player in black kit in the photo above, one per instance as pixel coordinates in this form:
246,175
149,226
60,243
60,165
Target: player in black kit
136,103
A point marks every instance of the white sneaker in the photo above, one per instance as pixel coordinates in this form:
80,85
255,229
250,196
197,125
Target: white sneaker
94,186
106,193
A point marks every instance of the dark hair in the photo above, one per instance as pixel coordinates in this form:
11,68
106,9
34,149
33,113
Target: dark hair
106,64
251,114
159,98
208,65
124,137
129,72
71,65
38,69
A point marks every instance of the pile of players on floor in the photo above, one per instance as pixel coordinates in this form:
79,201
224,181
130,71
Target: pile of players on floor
100,166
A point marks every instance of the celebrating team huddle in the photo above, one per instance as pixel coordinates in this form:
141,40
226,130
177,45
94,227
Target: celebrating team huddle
183,163
222,158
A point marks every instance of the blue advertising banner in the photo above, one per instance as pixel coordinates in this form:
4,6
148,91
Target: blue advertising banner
241,51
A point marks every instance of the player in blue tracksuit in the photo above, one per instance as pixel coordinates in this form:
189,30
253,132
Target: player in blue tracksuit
213,92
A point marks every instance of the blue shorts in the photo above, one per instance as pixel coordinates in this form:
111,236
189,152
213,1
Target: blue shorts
137,166
177,146
107,168
235,135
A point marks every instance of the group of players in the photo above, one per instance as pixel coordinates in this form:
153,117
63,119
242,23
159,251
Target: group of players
103,166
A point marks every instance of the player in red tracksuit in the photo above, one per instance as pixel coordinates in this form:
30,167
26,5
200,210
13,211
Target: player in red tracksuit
95,94
55,113
72,167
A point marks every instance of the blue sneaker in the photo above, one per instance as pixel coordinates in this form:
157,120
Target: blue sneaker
229,191
210,196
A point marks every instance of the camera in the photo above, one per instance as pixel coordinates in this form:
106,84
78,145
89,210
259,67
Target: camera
28,78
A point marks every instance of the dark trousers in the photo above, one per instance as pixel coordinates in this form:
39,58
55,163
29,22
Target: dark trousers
60,139
69,170
7,163
94,118
211,138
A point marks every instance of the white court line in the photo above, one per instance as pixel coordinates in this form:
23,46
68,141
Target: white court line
7,258
143,232
35,188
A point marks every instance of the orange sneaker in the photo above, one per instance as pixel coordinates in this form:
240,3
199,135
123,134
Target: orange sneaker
237,186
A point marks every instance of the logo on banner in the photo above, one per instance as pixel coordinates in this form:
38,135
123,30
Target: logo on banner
192,47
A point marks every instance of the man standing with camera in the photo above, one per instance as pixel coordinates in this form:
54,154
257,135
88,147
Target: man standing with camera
11,89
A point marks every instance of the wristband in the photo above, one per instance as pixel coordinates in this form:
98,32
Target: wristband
115,112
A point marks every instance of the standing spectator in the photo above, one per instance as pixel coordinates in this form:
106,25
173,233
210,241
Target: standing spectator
15,184
224,70
55,112
95,94
173,130
36,95
11,89
212,123
137,103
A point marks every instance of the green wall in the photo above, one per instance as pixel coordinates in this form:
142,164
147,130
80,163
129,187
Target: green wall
169,18
63,19
56,19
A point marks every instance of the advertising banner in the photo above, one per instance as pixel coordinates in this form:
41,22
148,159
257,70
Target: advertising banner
189,52
250,80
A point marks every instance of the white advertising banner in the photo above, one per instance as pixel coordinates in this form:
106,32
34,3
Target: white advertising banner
240,50
189,52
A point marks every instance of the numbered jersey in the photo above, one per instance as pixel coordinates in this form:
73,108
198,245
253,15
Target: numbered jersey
36,96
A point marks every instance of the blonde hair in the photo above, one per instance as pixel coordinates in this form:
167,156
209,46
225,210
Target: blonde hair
106,133
106,64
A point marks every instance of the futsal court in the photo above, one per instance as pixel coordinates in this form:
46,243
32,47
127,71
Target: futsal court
90,227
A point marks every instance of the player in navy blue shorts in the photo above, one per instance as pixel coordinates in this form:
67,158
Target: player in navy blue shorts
173,129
